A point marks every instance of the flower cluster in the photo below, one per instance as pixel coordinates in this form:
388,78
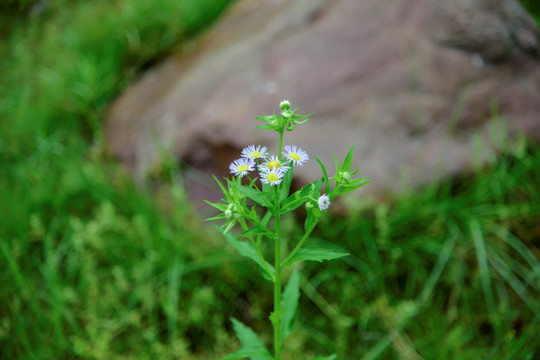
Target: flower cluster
272,168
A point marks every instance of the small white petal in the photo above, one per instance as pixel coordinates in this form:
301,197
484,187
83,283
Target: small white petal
254,152
295,155
241,167
324,202
272,177
273,163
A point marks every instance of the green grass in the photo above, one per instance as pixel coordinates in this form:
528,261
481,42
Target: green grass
453,270
93,267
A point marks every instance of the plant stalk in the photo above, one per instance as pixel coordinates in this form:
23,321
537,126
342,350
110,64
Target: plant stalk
277,286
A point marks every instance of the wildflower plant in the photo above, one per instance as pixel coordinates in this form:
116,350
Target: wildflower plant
256,198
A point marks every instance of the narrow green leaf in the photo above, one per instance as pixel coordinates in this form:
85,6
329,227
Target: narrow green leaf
301,196
266,127
521,289
516,243
252,346
223,189
485,277
246,249
258,230
265,118
260,198
266,218
313,216
325,175
289,302
351,186
296,117
218,217
219,206
247,337
286,185
228,226
347,163
318,250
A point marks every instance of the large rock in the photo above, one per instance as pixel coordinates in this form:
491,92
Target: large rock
415,84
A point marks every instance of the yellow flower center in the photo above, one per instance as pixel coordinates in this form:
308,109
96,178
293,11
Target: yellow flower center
272,177
254,154
294,156
242,168
273,164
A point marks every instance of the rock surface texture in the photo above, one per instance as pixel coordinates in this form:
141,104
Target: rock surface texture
422,86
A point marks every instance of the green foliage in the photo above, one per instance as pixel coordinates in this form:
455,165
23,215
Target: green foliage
91,268
289,300
317,250
252,346
533,6
457,261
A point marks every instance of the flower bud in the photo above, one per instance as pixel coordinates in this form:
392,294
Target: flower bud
344,176
231,212
285,105
274,123
286,113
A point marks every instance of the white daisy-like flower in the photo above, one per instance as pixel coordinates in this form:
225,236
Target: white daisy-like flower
254,152
241,167
273,163
272,177
324,202
296,155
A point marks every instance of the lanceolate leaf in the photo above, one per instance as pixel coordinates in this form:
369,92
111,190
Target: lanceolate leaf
252,347
218,217
325,175
352,185
265,118
244,248
258,230
289,302
318,250
313,216
301,196
347,163
286,185
223,189
260,198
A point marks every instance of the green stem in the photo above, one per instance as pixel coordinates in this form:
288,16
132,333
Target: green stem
277,283
280,142
300,243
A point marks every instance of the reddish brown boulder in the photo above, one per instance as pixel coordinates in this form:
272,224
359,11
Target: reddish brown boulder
413,83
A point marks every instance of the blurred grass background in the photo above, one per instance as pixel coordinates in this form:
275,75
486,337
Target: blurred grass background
93,267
